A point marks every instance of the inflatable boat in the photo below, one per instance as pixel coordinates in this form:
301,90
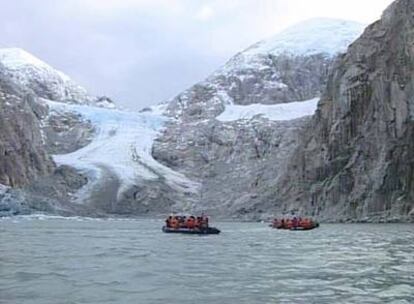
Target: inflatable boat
288,225
209,230
314,225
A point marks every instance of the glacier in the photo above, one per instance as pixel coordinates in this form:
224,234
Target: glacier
122,144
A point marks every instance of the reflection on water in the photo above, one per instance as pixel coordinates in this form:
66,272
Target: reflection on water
55,260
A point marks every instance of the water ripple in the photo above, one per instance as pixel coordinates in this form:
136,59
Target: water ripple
59,260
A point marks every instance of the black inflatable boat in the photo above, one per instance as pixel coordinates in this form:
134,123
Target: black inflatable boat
209,230
315,225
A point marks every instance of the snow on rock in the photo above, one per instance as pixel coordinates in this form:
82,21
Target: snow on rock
311,37
123,143
277,112
314,36
27,71
287,67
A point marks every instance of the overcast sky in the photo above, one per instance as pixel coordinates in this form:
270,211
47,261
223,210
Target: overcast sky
141,52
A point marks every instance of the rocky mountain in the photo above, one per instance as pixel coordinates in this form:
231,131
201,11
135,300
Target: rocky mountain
234,132
295,123
88,157
33,75
22,154
30,132
356,161
218,150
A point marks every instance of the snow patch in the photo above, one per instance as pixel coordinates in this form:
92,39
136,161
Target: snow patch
277,112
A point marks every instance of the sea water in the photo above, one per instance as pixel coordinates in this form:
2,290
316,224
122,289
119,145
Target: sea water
79,260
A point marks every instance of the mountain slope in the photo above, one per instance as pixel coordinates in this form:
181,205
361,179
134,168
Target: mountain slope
356,160
30,73
229,131
29,134
119,153
22,155
310,37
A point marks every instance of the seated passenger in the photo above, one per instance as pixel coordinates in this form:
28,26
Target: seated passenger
295,222
198,222
191,222
183,222
175,224
168,222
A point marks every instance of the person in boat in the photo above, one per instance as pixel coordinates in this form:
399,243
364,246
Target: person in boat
168,222
295,222
183,222
198,222
175,223
282,223
191,222
203,222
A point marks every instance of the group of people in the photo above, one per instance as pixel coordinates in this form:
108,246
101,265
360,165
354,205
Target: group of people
189,222
295,222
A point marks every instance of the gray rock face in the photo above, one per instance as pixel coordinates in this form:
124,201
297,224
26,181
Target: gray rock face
238,162
29,132
270,79
22,154
66,133
356,161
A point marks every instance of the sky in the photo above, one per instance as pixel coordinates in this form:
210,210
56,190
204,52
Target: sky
142,52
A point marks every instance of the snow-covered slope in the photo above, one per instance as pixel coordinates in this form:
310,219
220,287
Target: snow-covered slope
277,112
311,37
122,145
314,36
29,72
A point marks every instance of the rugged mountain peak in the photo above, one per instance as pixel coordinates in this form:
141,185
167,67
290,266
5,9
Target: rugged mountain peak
30,73
318,36
234,131
291,66
310,37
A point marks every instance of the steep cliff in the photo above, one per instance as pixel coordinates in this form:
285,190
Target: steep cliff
22,154
30,132
356,161
232,132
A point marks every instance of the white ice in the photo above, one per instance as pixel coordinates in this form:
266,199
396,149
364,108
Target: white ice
276,112
122,143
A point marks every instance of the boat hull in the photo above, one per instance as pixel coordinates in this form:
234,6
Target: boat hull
209,230
304,228
299,228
